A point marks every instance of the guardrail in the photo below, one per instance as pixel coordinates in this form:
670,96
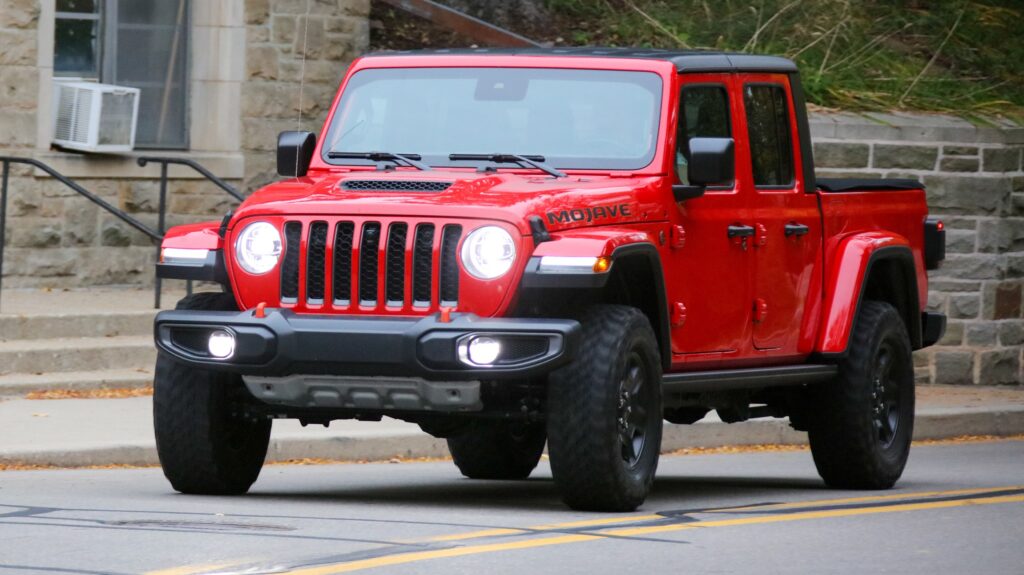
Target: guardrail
156,235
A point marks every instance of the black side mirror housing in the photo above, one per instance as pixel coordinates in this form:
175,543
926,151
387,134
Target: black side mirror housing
295,152
712,161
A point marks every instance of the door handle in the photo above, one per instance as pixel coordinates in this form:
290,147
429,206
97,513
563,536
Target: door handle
795,229
741,231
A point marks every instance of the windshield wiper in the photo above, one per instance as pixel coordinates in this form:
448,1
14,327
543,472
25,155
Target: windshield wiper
410,159
532,161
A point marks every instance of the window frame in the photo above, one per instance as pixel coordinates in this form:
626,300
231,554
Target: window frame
106,61
681,123
787,100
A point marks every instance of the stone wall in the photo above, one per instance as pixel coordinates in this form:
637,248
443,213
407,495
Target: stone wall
246,66
975,182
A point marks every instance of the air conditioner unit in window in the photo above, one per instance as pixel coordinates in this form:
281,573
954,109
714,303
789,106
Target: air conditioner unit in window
94,117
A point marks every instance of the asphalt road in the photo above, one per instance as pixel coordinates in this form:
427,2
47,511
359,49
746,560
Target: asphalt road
959,509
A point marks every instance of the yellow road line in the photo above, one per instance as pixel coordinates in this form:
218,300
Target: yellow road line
864,499
831,513
415,556
477,534
191,569
402,558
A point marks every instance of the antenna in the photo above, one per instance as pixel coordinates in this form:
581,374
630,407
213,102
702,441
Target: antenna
302,76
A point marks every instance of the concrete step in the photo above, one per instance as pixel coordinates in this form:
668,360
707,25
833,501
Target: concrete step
17,384
37,356
74,325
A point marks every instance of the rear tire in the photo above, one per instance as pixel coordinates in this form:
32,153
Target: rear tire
604,413
861,425
498,450
205,446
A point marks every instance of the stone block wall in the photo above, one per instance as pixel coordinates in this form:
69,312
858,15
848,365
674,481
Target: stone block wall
975,181
246,70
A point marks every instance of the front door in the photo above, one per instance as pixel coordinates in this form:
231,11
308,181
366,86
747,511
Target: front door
710,287
788,221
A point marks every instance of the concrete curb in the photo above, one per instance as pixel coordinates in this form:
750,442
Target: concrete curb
938,425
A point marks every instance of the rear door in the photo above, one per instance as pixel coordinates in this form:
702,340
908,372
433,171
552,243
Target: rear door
787,240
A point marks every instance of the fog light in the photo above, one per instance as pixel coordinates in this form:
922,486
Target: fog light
484,350
221,344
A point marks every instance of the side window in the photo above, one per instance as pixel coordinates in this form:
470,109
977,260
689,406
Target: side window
771,147
703,113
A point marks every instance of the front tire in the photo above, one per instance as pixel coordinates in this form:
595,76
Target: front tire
604,413
204,445
861,425
498,450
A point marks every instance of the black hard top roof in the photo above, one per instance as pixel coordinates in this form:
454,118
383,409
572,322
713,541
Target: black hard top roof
684,60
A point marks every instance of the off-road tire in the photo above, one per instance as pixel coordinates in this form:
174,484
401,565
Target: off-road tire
498,450
204,447
851,446
588,456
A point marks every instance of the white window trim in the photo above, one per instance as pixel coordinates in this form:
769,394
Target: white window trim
216,145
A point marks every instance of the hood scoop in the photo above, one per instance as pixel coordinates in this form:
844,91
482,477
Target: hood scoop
394,186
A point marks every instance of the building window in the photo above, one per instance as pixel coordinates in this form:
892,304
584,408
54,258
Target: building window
771,150
143,45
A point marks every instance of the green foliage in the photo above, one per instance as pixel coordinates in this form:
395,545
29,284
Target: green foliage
957,56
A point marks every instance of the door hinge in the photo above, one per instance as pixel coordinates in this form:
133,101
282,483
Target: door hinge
760,236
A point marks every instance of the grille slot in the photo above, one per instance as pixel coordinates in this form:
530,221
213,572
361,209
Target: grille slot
316,261
423,265
342,269
368,258
395,272
449,277
394,186
290,265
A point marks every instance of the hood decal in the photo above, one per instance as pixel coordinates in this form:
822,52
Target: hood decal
590,214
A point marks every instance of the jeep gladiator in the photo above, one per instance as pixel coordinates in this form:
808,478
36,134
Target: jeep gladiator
559,247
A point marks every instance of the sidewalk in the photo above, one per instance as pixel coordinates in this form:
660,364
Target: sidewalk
81,432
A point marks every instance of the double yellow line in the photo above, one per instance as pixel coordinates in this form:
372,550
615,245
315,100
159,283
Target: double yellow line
598,529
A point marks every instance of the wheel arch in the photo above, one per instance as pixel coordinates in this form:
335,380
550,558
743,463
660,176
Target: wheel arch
634,278
869,267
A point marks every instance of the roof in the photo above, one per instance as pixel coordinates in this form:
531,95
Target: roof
684,60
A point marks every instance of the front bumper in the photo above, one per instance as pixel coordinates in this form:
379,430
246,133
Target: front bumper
284,343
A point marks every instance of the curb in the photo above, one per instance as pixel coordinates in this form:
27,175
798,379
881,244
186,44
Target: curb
939,425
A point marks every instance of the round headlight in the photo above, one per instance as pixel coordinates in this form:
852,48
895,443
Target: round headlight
258,248
488,252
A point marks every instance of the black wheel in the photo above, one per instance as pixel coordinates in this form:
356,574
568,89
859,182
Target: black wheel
204,446
861,425
604,413
498,450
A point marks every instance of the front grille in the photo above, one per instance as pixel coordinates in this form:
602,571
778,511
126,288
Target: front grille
392,265
394,186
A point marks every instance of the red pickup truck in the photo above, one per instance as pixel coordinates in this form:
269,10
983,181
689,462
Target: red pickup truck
561,247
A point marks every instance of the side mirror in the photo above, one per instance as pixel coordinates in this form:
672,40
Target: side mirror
295,152
712,161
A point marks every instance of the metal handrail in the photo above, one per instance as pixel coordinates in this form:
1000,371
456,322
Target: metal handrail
161,219
120,214
156,235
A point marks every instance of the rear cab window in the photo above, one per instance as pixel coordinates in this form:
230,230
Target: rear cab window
769,133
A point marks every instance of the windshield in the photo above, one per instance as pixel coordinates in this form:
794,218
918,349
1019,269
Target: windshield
575,119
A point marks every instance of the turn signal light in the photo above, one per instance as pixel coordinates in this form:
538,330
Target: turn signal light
602,264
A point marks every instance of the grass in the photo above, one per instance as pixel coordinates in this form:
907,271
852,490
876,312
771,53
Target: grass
952,56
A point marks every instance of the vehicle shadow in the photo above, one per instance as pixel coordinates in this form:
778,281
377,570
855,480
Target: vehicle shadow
539,493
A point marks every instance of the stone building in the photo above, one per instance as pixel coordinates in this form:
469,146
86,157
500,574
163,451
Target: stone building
219,80
235,84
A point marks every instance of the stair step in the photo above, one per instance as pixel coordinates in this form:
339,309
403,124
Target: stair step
37,356
16,384
73,325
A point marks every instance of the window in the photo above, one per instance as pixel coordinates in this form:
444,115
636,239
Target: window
576,119
771,148
130,43
704,113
